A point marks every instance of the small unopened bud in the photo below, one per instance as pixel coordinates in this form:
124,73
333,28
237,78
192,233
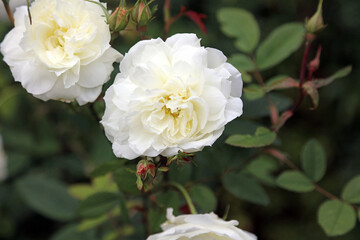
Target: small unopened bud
119,19
315,63
181,158
142,14
316,22
145,167
139,183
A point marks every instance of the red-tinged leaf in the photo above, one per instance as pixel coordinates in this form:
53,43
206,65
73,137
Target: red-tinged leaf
281,82
197,18
282,119
339,74
313,93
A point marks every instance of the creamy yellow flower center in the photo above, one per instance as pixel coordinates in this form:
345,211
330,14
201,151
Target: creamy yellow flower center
63,33
174,112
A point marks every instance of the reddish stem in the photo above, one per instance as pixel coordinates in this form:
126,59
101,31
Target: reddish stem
170,20
9,12
274,115
304,63
308,40
282,157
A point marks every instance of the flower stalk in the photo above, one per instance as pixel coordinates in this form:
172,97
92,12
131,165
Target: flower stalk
8,11
28,9
186,195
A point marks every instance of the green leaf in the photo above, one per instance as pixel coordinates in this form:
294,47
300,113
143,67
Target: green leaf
313,93
339,74
91,223
351,191
238,125
280,44
106,168
242,62
313,160
156,218
280,82
110,236
98,204
262,137
203,197
247,33
169,199
70,232
17,162
48,197
22,141
246,77
126,181
295,181
260,107
253,92
263,168
9,100
81,191
87,224
180,173
336,218
245,188
105,183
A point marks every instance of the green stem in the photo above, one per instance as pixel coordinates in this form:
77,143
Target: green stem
94,113
28,9
186,196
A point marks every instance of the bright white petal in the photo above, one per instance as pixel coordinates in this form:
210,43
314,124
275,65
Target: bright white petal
215,57
98,72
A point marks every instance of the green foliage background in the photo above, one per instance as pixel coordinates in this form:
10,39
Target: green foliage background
61,146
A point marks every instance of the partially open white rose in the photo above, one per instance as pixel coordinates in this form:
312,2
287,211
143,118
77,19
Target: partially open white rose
200,227
170,96
3,162
64,54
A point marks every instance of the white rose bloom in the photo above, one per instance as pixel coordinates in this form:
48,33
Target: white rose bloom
170,96
200,227
3,162
64,54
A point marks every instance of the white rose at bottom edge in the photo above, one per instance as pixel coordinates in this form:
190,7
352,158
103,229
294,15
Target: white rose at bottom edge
64,54
200,227
170,96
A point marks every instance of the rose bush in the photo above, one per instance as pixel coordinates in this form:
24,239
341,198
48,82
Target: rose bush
3,162
170,96
200,226
64,54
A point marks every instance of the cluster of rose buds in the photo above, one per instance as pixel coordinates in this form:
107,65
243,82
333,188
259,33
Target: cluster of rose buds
146,171
141,14
181,158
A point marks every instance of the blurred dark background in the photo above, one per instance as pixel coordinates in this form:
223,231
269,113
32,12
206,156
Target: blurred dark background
49,138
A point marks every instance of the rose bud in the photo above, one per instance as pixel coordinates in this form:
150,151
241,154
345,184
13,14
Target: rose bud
142,14
119,19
